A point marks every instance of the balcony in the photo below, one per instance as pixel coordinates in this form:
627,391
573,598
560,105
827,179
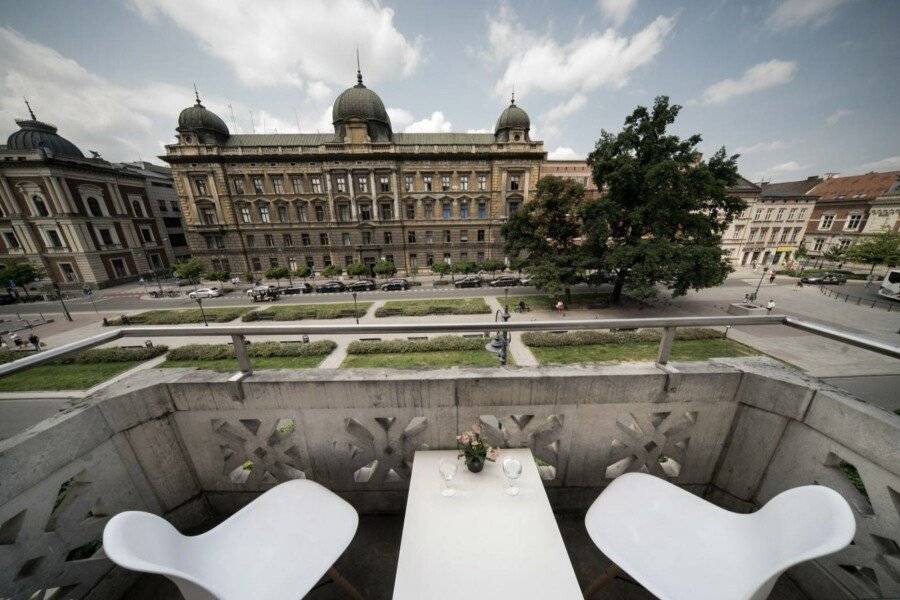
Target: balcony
176,442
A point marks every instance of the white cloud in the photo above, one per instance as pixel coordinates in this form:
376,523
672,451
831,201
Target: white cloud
787,167
616,11
479,131
400,118
564,153
435,123
796,13
553,118
761,147
303,44
582,63
756,78
891,163
838,115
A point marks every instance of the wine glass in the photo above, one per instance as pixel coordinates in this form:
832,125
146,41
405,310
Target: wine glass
448,468
512,469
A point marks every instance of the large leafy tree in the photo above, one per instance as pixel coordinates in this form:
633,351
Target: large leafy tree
663,210
191,269
546,232
881,249
21,273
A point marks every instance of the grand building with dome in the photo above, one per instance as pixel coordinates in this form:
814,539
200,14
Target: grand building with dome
84,220
363,193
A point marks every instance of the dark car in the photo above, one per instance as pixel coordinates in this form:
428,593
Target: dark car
395,284
264,295
468,282
505,281
330,287
299,288
363,285
825,279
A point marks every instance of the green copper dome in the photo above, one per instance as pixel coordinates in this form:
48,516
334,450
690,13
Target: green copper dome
513,118
361,103
198,118
35,135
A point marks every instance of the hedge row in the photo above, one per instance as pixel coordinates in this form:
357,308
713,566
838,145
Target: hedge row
436,344
578,301
95,355
297,312
257,350
589,337
180,317
421,308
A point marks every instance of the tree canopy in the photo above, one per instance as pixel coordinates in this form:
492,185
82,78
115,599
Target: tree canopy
881,249
384,268
191,269
357,269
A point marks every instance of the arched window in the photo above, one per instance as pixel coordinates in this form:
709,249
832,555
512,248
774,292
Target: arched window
94,207
138,209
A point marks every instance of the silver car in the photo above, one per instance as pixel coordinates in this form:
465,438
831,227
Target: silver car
205,293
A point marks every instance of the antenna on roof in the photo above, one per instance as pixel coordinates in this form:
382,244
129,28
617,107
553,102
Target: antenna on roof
252,126
233,119
30,112
297,119
358,70
513,99
196,93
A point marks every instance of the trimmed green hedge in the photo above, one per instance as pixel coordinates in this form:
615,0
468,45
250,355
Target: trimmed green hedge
578,301
589,337
181,317
448,343
421,308
257,350
297,312
95,355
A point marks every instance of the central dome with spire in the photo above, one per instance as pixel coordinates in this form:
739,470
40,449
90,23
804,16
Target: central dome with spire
37,135
512,120
361,104
204,123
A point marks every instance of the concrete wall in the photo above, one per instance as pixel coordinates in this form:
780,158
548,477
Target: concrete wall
181,443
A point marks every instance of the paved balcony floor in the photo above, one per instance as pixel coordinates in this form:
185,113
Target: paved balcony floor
371,561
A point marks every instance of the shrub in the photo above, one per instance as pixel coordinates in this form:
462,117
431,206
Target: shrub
297,312
201,352
421,308
96,355
589,337
442,343
180,317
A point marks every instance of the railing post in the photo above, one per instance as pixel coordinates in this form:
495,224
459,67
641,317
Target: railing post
665,345
240,351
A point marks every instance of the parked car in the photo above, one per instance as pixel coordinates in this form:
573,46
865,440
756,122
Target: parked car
331,287
213,292
265,295
504,281
825,279
298,288
256,289
362,285
525,281
395,284
468,282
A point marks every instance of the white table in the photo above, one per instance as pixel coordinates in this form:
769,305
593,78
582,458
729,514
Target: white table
481,542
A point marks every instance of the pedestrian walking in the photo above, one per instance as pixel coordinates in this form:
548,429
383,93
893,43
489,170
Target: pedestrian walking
770,306
561,308
771,275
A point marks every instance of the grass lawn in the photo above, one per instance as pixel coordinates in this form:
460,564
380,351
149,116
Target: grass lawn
180,317
296,312
417,360
579,301
63,377
641,351
267,362
421,308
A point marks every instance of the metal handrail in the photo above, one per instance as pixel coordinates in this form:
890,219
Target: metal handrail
239,332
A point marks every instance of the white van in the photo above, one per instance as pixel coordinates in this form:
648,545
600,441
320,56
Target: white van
890,285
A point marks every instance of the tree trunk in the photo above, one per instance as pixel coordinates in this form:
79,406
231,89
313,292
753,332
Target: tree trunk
617,288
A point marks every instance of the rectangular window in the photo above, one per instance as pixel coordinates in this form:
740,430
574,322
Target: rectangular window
200,183
826,222
287,240
316,185
297,184
257,266
410,211
482,183
282,213
366,237
429,237
413,262
345,239
323,239
264,214
513,207
278,184
320,213
844,244
162,205
464,235
365,212
388,237
464,183
445,183
301,212
362,184
384,183
326,260
408,183
780,214
257,184
208,216
480,235
106,237
482,210
513,182
757,216
251,241
426,182
769,214
411,236
429,259
387,212
146,236
341,183
238,184
56,241
463,256
853,222
791,214
304,239
463,210
479,257
270,241
446,236
273,262
344,212
446,210
348,260
310,262
428,209
175,206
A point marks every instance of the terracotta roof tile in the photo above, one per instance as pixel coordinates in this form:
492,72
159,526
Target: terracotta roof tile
789,188
870,185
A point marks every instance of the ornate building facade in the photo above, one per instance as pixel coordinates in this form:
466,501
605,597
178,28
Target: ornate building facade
363,193
84,220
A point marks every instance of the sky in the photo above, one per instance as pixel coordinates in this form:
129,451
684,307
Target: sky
796,87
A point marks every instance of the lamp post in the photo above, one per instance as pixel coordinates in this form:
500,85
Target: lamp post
499,344
203,314
355,309
61,301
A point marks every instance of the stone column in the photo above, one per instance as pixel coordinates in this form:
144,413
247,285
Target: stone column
7,197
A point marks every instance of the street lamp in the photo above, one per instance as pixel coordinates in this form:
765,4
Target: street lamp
203,314
61,301
499,344
355,309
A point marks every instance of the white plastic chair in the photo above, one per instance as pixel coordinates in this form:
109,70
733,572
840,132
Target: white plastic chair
275,548
681,547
